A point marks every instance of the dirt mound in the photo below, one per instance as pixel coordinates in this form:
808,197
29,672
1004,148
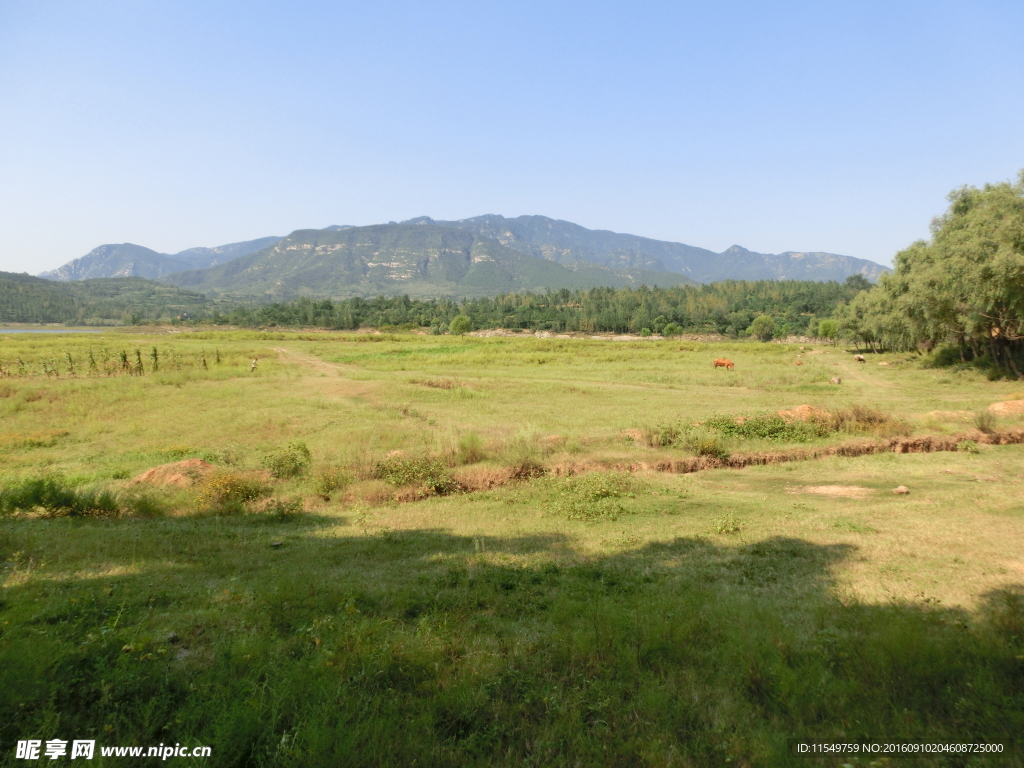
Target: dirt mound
841,491
1008,407
182,474
801,412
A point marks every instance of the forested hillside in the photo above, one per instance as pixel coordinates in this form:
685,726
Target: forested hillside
728,307
105,301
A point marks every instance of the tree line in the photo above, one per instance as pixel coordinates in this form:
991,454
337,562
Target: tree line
729,307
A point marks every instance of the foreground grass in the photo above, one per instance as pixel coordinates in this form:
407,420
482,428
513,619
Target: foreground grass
653,620
424,647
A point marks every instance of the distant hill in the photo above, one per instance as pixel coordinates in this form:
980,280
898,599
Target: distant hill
566,243
129,260
416,259
27,299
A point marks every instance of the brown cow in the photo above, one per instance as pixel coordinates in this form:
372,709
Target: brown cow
723,362
859,358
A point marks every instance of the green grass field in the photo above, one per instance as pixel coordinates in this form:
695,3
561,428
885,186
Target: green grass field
434,551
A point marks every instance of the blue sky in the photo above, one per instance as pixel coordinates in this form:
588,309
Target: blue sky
776,125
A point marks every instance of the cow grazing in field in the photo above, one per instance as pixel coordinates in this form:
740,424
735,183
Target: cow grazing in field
723,362
859,358
835,380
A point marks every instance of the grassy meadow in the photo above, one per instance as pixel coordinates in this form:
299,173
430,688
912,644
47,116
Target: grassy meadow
436,551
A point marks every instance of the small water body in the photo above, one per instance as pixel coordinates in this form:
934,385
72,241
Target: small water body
41,330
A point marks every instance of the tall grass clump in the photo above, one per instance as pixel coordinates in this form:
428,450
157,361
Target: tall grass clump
426,472
862,420
55,497
522,453
470,449
696,438
290,461
985,421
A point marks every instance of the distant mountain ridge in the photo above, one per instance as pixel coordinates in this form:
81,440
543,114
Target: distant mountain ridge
337,265
565,242
415,259
130,260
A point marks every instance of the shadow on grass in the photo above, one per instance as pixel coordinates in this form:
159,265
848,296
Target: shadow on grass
275,645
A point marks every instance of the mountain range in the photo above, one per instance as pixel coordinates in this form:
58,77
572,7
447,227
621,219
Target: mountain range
483,255
388,259
129,260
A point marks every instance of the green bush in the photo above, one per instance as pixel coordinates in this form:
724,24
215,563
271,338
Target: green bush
229,492
771,427
430,473
291,461
332,479
56,498
703,443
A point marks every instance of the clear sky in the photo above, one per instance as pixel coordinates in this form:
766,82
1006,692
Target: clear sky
832,126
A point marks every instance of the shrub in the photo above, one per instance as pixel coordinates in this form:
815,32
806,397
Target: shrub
645,332
283,508
56,498
332,479
291,461
706,444
429,473
229,492
595,495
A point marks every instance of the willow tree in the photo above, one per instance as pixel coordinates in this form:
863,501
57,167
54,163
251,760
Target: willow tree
963,286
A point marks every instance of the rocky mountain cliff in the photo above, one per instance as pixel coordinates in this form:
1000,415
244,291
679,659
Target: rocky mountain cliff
414,259
565,243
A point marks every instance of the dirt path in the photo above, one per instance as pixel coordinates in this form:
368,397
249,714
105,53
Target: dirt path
327,378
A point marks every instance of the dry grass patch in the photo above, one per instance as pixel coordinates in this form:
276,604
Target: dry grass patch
837,491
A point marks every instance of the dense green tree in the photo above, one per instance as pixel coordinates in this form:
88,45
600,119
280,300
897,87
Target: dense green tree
965,286
763,328
460,325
